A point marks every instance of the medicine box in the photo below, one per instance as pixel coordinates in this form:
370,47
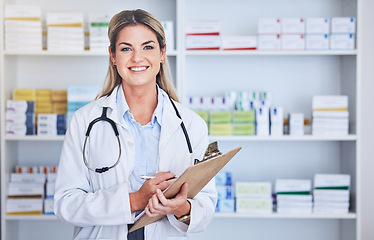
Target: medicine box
203,28
169,34
253,189
254,205
317,25
35,190
332,181
48,206
24,206
262,115
330,102
223,178
19,118
276,115
296,121
269,42
243,128
342,41
201,42
243,116
24,94
330,195
293,25
317,41
343,25
269,26
225,192
27,178
293,42
225,205
293,186
220,117
50,189
20,106
239,42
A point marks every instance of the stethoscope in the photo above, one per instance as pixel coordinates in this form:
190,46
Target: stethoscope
103,117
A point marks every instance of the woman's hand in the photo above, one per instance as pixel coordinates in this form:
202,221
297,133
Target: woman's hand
139,199
177,206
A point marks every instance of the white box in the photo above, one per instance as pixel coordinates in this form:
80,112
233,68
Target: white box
342,41
64,18
22,11
330,114
253,189
296,121
343,25
293,25
318,25
48,206
330,102
317,41
25,189
254,205
24,206
283,210
223,178
262,115
27,178
331,195
169,34
329,210
293,185
294,198
203,28
269,26
239,42
293,42
332,180
269,42
203,42
50,189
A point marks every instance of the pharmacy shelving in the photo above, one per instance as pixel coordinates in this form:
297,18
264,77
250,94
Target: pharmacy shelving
269,53
262,158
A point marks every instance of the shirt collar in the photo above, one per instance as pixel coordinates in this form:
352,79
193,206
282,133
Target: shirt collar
123,107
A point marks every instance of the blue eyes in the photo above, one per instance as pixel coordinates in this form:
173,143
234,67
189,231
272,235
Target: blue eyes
125,49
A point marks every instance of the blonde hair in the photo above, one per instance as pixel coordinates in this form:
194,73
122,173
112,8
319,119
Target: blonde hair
134,17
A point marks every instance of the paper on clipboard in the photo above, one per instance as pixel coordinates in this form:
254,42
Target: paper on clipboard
197,176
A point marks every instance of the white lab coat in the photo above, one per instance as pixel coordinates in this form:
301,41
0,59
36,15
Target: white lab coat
98,204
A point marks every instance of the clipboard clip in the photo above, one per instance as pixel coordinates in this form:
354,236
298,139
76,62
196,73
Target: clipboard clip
211,152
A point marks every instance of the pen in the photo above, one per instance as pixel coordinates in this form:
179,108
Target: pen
145,177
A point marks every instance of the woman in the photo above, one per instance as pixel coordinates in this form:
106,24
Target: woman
151,141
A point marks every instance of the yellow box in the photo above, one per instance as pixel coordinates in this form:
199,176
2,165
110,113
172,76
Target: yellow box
204,115
220,116
59,96
60,107
243,129
243,116
44,95
43,107
220,129
24,94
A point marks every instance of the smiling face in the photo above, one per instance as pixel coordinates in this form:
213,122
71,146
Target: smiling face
137,56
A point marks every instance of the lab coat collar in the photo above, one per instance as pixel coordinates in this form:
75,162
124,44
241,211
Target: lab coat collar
111,102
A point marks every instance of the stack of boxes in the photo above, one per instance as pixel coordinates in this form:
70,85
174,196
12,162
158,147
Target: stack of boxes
331,193
317,33
203,35
254,197
269,30
20,117
65,31
243,122
330,115
220,123
98,28
23,28
225,190
343,31
51,124
77,97
28,188
293,31
294,196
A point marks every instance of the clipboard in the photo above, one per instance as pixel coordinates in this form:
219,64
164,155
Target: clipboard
197,176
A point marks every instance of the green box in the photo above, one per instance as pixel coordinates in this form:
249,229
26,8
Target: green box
204,115
220,117
243,129
220,129
243,116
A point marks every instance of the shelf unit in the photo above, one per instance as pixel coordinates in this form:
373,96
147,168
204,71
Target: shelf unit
262,158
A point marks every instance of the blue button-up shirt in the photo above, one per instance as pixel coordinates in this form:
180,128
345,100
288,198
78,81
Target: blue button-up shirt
146,138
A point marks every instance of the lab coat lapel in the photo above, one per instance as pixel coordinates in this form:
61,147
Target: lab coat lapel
170,123
111,103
